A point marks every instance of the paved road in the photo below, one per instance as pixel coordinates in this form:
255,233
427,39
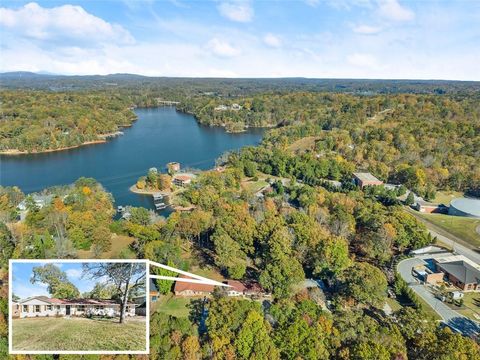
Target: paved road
459,245
450,317
458,248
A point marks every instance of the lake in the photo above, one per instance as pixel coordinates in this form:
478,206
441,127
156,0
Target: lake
160,135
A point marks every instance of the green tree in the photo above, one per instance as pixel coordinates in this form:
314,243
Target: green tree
366,284
139,215
165,286
410,199
253,340
58,284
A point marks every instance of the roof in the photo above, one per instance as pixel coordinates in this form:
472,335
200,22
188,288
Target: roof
55,301
461,267
467,205
183,177
244,287
365,176
236,285
183,286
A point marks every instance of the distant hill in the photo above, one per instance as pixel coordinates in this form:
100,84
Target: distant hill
229,86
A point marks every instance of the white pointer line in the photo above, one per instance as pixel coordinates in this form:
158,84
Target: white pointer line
196,279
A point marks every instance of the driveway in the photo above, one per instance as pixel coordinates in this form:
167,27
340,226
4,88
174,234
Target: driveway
449,317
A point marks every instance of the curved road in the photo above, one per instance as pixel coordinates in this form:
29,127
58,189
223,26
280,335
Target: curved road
449,317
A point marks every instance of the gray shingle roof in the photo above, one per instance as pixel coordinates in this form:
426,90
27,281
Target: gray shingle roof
463,271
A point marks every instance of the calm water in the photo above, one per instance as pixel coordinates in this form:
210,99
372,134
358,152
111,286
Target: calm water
159,136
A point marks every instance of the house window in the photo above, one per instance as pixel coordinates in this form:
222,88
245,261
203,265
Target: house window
49,307
154,298
97,307
37,308
58,307
25,308
81,308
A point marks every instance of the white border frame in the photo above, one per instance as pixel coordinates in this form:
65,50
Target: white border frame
31,352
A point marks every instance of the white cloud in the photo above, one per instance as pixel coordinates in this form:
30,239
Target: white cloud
362,60
24,291
272,40
312,3
222,48
366,29
62,23
391,9
237,10
74,273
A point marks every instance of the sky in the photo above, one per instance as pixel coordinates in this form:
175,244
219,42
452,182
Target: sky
388,39
22,273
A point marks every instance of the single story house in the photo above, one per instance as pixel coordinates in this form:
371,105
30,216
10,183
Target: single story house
460,271
247,288
191,289
363,179
44,306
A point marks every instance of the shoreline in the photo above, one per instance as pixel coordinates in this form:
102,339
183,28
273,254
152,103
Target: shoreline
134,189
14,152
102,139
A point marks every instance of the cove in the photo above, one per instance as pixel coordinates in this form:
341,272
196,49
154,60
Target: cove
160,135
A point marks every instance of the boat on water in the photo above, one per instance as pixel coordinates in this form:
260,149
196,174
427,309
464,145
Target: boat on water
120,209
160,206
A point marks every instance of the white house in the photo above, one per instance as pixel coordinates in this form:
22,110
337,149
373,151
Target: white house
43,306
39,200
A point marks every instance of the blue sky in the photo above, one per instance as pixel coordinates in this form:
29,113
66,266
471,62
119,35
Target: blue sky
426,39
22,273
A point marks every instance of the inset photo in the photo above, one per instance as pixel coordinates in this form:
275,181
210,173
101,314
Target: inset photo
78,306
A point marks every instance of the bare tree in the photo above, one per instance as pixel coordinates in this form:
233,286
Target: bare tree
126,277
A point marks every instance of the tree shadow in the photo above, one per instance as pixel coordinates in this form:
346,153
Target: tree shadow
464,325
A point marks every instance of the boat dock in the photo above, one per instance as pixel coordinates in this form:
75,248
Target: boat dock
158,201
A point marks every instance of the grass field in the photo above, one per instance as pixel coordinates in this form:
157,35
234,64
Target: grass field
254,186
172,305
462,227
78,334
445,197
119,243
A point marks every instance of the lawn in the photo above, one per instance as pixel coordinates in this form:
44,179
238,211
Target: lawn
471,306
254,186
78,334
462,227
172,305
445,197
119,243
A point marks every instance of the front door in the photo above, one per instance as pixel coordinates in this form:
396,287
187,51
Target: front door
67,310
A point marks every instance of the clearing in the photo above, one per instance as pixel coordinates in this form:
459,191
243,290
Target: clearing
254,186
120,246
445,197
78,334
302,145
